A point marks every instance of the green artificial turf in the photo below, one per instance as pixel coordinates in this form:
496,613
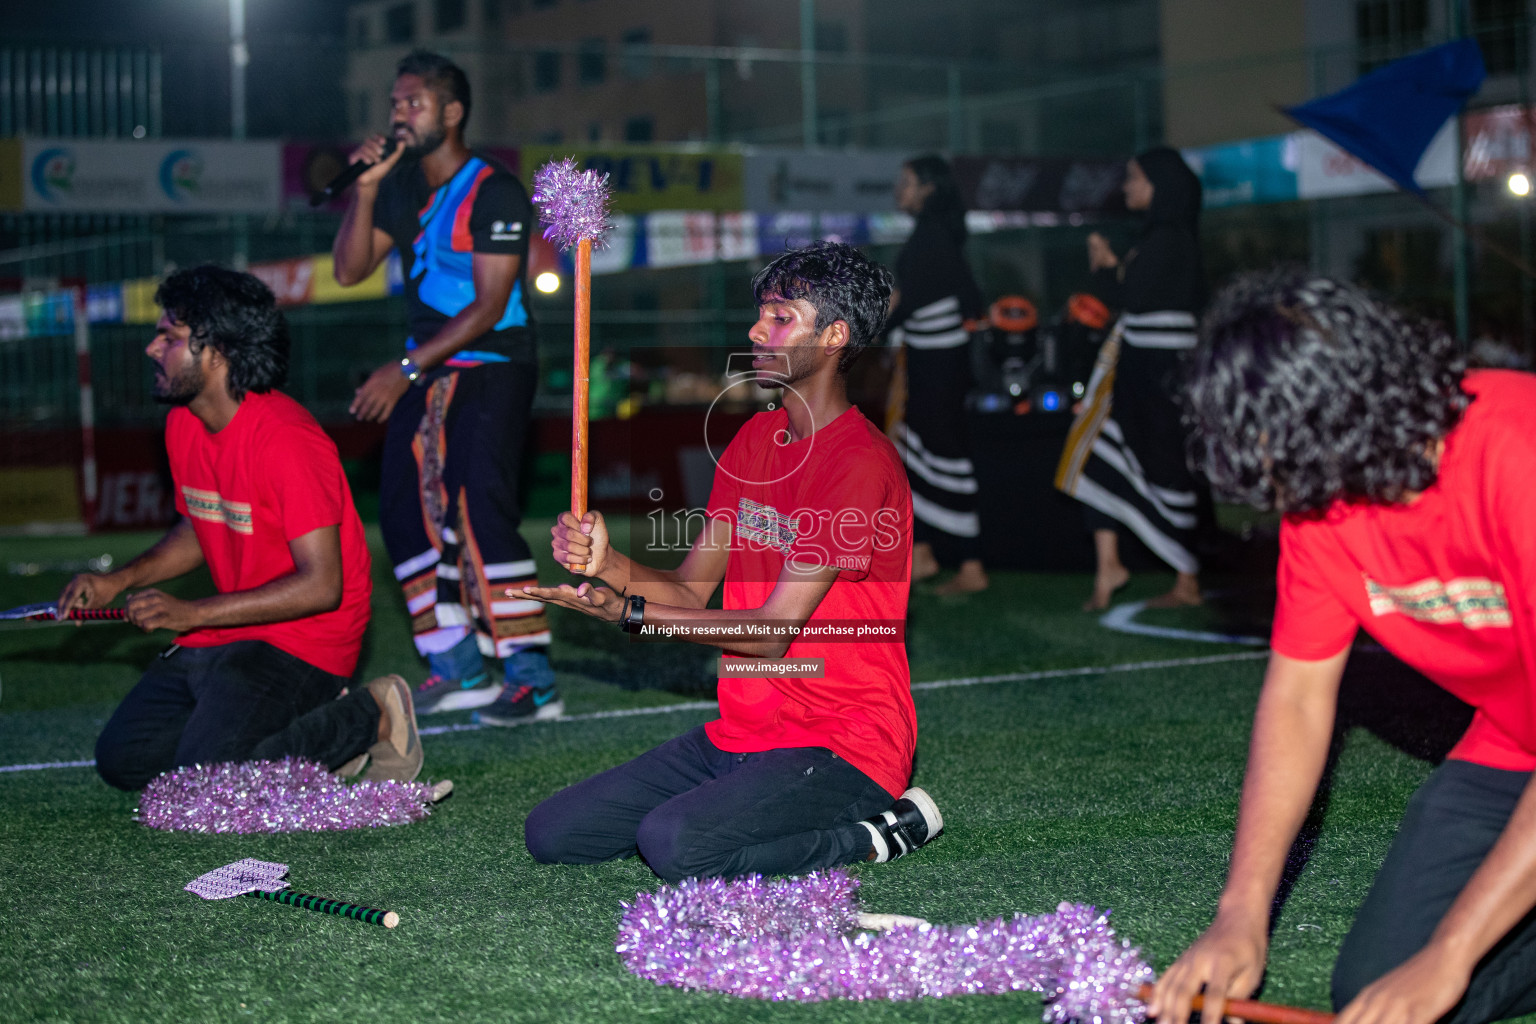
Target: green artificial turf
1116,789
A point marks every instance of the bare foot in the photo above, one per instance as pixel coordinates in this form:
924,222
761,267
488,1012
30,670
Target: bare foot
971,579
924,565
1104,586
1185,594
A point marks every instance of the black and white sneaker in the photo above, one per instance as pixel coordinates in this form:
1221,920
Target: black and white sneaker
521,704
912,821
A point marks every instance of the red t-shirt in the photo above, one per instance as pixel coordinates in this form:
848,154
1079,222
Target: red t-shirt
269,477
837,498
1448,583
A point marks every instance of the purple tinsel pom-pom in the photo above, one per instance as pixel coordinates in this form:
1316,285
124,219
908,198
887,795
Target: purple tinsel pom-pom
291,795
796,938
573,203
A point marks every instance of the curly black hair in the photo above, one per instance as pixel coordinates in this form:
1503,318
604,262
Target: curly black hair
840,282
1304,391
238,316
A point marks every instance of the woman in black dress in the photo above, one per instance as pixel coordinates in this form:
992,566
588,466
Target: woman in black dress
935,296
1125,457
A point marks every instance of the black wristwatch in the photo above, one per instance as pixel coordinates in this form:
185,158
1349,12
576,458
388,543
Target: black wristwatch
634,614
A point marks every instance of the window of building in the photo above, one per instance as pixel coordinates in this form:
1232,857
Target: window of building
592,62
551,137
1387,29
546,71
640,129
637,59
449,15
400,23
1503,30
832,36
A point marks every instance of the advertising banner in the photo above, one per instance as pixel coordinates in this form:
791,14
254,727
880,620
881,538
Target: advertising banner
1498,142
679,238
1323,169
645,179
1041,185
151,176
1253,171
794,179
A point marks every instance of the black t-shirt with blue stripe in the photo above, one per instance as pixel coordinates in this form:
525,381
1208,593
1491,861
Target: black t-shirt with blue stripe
483,208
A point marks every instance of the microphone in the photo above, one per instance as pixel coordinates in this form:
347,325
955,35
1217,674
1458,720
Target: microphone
339,183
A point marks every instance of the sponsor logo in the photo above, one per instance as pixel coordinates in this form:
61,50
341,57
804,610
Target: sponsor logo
501,231
181,174
53,173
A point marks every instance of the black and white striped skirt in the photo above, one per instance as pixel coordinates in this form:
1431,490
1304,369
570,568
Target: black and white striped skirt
932,439
1125,456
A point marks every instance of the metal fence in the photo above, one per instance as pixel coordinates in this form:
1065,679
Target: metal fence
824,98
1385,242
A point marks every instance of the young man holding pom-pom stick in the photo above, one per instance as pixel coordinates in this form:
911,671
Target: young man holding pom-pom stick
810,528
1410,510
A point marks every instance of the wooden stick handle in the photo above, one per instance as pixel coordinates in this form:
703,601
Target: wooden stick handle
581,380
1252,1010
321,905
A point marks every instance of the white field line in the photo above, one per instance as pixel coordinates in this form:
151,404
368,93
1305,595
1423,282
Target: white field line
46,764
1122,619
708,705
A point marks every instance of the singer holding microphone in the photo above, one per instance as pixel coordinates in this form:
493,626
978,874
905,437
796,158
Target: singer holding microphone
459,402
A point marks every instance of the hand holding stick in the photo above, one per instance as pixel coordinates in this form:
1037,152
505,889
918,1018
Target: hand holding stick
48,611
1251,1010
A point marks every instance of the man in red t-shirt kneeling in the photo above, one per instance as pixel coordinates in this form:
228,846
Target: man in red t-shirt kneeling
810,528
256,669
1408,487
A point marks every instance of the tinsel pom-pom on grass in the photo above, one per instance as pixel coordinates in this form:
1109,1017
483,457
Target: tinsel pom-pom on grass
796,938
574,204
291,795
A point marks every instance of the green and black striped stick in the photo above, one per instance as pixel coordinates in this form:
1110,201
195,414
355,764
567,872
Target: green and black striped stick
321,905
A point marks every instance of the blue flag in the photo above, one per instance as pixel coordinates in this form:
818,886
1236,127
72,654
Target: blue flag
1388,117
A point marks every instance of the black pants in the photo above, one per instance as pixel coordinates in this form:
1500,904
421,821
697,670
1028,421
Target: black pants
1450,825
245,701
693,810
449,509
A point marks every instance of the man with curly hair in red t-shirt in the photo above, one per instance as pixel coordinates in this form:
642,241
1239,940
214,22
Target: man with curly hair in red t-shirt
1408,487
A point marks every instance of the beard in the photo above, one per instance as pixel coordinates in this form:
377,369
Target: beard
789,367
427,143
181,388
